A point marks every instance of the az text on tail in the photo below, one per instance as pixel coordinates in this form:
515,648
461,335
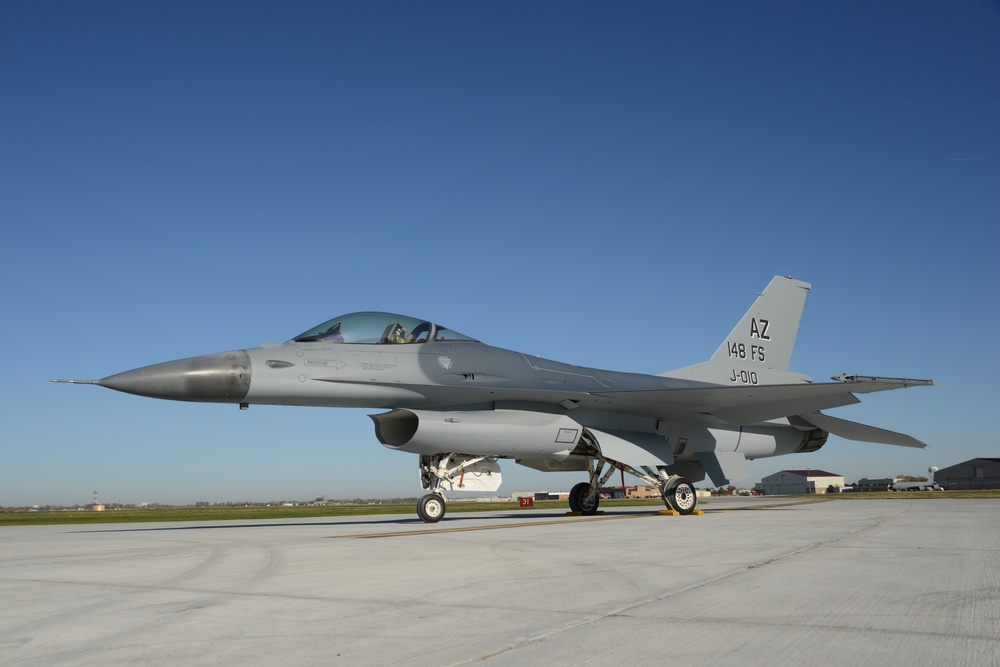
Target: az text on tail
759,349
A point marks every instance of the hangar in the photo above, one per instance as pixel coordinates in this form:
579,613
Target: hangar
799,481
972,474
869,485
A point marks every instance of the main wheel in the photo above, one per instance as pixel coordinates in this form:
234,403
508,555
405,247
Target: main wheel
581,500
574,497
430,508
679,495
667,495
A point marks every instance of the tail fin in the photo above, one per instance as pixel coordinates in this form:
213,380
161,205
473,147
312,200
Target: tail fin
759,348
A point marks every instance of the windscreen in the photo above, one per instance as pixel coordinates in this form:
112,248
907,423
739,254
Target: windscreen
378,329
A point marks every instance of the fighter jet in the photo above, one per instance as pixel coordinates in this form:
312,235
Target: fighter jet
462,405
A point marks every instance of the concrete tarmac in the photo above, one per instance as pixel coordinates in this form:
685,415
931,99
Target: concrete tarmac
882,582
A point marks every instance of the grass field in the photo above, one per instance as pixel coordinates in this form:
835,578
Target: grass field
454,507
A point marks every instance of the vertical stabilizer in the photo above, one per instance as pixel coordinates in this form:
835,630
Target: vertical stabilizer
759,348
767,332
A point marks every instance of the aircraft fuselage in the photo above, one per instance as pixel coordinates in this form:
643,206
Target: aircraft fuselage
461,404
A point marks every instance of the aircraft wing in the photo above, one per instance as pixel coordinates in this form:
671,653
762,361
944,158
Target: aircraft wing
749,404
737,405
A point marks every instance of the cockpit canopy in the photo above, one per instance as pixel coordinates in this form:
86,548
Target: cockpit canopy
378,329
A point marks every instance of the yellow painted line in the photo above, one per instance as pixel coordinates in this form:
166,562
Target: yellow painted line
466,529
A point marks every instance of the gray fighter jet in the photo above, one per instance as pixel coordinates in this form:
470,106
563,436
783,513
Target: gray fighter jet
461,405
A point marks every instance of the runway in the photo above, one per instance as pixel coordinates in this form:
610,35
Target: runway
846,581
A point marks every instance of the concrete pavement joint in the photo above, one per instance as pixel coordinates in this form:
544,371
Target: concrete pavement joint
625,611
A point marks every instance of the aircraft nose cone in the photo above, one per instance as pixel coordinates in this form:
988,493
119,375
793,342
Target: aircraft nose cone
212,378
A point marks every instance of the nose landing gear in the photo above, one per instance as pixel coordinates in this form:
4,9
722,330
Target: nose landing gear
453,472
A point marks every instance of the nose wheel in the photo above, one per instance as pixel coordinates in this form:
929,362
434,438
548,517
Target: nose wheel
431,508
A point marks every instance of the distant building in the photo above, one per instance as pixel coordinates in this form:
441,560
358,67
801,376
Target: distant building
788,482
973,474
607,493
630,492
882,484
540,495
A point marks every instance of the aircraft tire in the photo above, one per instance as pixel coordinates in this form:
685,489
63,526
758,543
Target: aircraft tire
680,496
574,497
667,496
579,502
431,508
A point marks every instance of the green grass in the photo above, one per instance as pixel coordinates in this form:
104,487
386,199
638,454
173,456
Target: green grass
454,507
194,514
259,512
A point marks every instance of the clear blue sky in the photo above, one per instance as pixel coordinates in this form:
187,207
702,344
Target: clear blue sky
180,178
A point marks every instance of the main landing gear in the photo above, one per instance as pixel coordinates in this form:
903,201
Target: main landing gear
679,495
583,499
677,492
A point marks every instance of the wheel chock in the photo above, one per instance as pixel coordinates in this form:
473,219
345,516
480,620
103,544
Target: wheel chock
695,512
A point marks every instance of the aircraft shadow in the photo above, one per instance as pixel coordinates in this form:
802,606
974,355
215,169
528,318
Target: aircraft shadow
407,521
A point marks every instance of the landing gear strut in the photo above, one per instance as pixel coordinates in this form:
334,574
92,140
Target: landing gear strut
453,472
677,492
583,499
585,496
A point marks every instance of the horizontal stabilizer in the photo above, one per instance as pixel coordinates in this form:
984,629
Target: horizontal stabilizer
860,432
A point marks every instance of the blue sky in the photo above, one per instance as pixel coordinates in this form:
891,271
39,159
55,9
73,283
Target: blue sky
184,178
